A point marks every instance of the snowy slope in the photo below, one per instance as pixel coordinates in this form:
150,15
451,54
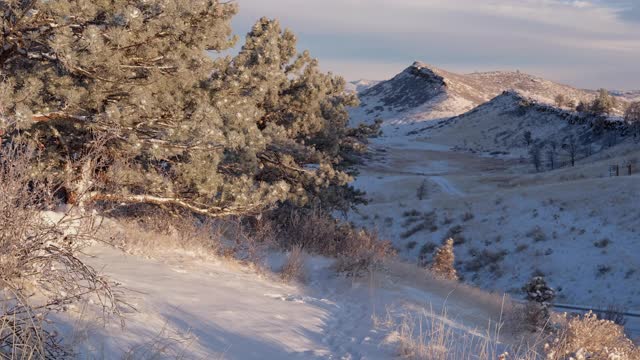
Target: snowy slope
576,226
499,127
185,308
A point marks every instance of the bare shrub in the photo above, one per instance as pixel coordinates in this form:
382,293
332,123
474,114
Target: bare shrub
317,232
535,153
455,233
587,337
613,313
486,259
529,317
603,270
39,269
314,231
421,193
361,252
537,234
417,222
601,244
426,250
294,267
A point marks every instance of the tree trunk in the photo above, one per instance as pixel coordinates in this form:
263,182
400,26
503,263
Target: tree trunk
79,186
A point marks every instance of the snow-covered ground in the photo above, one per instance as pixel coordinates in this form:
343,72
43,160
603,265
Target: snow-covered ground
576,226
181,307
428,178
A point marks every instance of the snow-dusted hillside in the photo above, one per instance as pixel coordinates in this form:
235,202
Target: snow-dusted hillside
468,174
499,127
423,92
575,225
630,95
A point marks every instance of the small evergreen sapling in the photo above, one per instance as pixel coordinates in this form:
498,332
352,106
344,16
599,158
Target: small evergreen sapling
443,262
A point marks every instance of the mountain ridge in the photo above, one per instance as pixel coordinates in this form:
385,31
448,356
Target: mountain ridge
424,92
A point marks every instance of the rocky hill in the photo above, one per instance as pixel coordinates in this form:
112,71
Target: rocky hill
422,92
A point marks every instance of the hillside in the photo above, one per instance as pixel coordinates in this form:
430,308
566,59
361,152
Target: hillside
631,95
361,85
499,126
468,174
422,92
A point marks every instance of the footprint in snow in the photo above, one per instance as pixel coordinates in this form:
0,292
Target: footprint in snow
299,299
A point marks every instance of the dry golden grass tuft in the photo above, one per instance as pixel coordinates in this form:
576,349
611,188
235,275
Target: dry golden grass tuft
294,267
587,337
431,336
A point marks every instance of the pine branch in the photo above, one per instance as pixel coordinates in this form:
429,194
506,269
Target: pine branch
211,211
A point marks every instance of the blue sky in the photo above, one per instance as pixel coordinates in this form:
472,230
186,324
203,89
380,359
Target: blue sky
585,43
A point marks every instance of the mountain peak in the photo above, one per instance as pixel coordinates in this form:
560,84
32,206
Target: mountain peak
423,92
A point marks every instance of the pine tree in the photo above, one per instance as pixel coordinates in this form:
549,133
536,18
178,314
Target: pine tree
444,260
216,136
301,111
603,104
632,114
539,296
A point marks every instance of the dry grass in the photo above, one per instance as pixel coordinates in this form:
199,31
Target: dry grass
155,232
158,233
162,346
315,232
39,269
587,337
294,267
431,336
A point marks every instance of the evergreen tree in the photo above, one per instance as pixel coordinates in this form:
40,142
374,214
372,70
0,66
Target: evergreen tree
444,260
216,136
301,111
603,104
632,114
